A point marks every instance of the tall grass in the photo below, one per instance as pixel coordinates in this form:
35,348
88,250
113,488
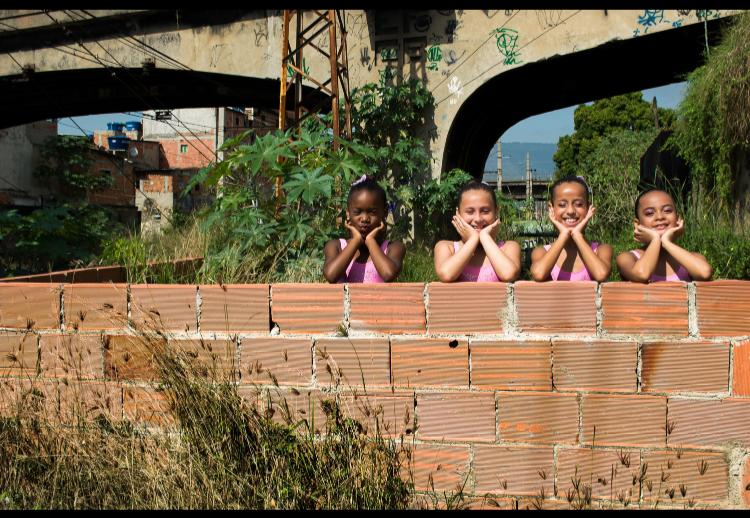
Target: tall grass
222,451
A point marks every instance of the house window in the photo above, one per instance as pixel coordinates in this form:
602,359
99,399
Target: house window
183,148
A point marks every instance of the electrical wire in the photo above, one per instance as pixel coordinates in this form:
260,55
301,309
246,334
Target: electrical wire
114,73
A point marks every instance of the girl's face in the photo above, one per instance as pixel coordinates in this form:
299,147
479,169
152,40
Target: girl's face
656,211
570,203
477,208
365,211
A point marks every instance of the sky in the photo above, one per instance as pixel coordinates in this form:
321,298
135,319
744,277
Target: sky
546,127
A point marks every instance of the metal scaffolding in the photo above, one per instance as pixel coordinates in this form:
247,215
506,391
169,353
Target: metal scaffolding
335,83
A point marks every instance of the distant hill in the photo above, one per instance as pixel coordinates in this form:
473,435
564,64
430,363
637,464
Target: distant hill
514,161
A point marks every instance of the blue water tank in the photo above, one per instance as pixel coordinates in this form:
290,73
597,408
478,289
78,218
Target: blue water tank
115,126
133,126
118,143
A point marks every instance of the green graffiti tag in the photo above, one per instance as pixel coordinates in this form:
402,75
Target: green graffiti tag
389,54
434,56
506,40
290,71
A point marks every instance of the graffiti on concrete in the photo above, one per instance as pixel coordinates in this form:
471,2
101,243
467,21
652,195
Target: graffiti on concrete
364,57
507,40
434,56
705,14
422,23
216,51
355,25
653,17
450,29
290,71
389,54
261,32
451,58
549,18
456,89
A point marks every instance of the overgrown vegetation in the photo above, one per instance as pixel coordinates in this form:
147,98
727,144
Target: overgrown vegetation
223,450
713,128
66,230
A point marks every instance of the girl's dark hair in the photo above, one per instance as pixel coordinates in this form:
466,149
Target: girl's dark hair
644,193
475,185
569,179
368,184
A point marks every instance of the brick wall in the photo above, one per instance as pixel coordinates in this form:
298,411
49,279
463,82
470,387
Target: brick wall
642,391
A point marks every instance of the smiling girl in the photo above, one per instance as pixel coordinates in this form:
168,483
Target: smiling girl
479,256
657,226
571,257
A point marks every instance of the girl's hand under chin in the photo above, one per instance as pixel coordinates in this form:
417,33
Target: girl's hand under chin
578,229
645,235
671,233
490,229
464,230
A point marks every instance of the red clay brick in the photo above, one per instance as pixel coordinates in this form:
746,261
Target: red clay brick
456,416
556,307
596,468
630,308
466,308
22,395
130,357
18,354
89,399
163,306
723,308
685,367
511,365
32,305
541,417
292,406
289,360
147,405
389,413
307,308
423,362
709,423
387,308
597,365
72,356
621,420
213,359
741,370
234,308
513,470
441,467
711,487
353,361
95,306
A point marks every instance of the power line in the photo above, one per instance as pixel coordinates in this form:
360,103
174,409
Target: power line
114,73
520,49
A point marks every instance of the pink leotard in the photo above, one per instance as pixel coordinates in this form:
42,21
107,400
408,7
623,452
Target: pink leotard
362,272
680,275
558,274
477,273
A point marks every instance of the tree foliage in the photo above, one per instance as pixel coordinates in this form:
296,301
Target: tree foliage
65,231
713,125
594,122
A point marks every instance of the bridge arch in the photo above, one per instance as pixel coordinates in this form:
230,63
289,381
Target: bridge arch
67,93
613,68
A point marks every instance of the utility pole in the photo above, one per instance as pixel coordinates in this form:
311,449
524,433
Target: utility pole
528,177
499,166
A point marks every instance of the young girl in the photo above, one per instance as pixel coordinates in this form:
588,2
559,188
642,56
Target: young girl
656,226
571,257
367,256
479,256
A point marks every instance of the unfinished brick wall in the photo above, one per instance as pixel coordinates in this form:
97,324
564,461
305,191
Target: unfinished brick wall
515,388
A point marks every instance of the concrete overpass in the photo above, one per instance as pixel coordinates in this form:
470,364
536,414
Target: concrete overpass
488,69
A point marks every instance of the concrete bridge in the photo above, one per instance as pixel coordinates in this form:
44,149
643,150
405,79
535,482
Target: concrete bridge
488,69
